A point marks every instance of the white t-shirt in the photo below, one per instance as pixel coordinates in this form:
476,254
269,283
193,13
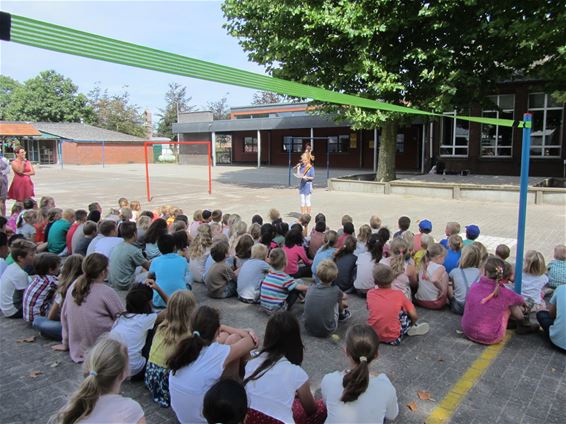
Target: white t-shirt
188,385
427,291
460,276
532,287
377,403
114,409
131,330
364,277
106,245
14,278
3,266
274,392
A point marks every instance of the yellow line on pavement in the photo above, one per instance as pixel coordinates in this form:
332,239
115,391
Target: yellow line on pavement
447,406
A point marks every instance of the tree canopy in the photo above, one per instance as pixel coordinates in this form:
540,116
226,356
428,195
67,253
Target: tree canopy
430,55
176,99
266,97
220,108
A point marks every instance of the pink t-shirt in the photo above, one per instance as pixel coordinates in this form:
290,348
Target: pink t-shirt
293,255
486,322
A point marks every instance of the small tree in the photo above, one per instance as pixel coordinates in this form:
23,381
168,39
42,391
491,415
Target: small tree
266,97
220,108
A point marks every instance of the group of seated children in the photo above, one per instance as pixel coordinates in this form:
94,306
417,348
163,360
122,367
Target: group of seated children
65,286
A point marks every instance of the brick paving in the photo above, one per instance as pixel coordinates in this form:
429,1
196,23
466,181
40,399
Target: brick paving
525,384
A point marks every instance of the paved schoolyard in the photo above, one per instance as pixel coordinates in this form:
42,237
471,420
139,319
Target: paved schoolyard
525,383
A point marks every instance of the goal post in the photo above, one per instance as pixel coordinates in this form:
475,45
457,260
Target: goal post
151,143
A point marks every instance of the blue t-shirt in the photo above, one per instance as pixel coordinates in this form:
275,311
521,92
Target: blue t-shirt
557,330
170,274
451,260
305,187
249,279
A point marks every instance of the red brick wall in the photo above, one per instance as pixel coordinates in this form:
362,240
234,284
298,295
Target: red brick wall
91,153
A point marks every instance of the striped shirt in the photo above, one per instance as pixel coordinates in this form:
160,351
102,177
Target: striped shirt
275,288
39,296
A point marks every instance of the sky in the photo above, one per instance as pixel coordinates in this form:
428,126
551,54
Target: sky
190,28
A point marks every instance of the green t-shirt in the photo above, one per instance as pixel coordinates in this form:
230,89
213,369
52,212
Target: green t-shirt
124,260
57,239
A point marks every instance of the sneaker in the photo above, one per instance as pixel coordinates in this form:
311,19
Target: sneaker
419,329
344,315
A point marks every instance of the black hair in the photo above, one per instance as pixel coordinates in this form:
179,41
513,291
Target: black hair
282,339
225,402
106,227
3,239
93,216
155,230
3,221
349,246
349,228
206,214
128,230
297,227
294,238
267,234
205,322
149,214
375,246
282,228
181,239
181,217
404,223
219,250
138,299
29,203
320,217
44,262
166,244
13,238
257,219
320,227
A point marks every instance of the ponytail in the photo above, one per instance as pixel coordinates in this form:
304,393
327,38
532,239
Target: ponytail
106,362
330,239
93,265
361,345
397,260
205,322
495,270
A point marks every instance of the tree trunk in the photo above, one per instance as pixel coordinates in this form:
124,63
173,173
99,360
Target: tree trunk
387,152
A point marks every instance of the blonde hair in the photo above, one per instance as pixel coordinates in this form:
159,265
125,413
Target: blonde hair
236,231
330,239
106,362
455,242
483,251
255,231
274,214
176,324
347,218
71,270
534,263
259,251
144,222
398,249
426,240
453,228
234,218
560,252
135,205
409,237
201,243
30,216
363,233
327,271
69,215
375,222
197,215
433,251
471,257
278,259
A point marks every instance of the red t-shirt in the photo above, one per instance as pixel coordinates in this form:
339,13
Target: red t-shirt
384,306
69,238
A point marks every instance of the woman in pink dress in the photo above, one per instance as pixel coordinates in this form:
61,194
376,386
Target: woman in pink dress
22,186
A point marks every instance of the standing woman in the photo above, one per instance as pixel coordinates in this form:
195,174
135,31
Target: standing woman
4,171
306,170
22,186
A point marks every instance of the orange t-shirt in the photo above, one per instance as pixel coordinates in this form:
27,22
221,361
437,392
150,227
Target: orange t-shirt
384,306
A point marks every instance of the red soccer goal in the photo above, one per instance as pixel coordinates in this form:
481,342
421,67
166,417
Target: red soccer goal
151,143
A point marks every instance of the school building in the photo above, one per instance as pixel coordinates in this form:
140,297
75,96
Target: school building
272,134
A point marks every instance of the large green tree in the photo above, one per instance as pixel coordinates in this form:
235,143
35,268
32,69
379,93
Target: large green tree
430,55
7,87
47,97
176,100
115,112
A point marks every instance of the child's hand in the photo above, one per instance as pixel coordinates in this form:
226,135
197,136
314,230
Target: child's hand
60,347
253,336
151,283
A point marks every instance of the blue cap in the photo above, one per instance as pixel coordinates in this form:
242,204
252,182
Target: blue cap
472,231
425,225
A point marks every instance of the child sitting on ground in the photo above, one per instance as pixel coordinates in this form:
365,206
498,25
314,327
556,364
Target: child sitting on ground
4,252
364,232
126,257
375,224
557,268
463,277
326,251
27,228
135,207
356,395
489,305
220,279
325,304
348,230
57,239
534,280
252,273
390,313
175,326
433,279
216,217
90,231
134,328
502,251
426,241
403,267
345,260
225,402
198,253
295,253
15,279
454,252
123,202
425,227
345,219
17,208
452,228
404,224
39,295
472,233
279,291
553,321
98,397
366,261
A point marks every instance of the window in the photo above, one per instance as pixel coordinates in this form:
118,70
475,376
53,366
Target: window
295,143
455,136
400,144
497,141
338,144
250,145
547,121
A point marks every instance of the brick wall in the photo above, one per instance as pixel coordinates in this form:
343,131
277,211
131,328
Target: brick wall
115,153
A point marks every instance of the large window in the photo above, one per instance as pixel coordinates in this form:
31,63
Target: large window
338,144
250,145
295,143
455,136
547,122
497,141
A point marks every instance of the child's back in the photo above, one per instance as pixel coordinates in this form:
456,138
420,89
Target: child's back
275,289
384,307
39,296
249,279
321,309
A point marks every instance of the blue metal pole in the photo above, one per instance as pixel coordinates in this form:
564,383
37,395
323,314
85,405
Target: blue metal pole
103,153
525,158
60,152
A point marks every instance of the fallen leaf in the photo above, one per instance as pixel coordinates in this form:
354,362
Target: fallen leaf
553,369
459,332
423,395
30,339
440,360
55,364
412,406
35,374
